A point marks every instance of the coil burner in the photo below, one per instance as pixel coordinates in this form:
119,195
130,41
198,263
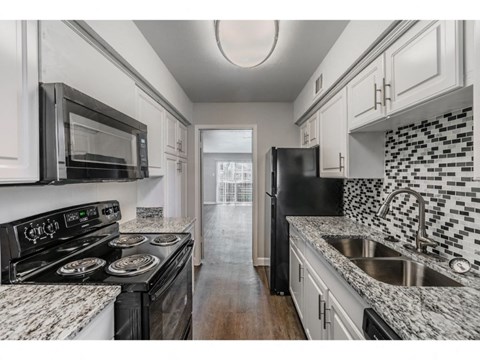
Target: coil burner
81,267
127,241
133,265
165,240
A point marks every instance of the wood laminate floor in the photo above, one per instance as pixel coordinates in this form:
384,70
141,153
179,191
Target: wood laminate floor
232,299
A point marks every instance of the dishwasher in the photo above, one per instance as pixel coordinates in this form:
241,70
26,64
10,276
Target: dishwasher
374,328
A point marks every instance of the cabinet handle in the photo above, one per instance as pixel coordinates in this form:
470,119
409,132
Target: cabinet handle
375,90
325,322
385,98
179,166
308,136
340,163
319,307
299,273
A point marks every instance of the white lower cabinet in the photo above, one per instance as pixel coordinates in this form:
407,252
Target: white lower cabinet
101,327
296,279
328,307
340,326
315,296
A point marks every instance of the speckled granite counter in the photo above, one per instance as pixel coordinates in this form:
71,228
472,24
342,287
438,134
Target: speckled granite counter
156,225
50,312
412,312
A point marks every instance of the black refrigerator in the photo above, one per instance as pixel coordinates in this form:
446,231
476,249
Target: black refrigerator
293,187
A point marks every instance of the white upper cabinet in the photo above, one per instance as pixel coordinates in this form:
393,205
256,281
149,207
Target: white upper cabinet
425,62
365,95
182,140
343,155
304,135
19,130
333,136
152,114
175,137
309,132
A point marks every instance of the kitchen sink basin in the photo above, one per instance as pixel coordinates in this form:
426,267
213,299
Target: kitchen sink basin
356,247
403,272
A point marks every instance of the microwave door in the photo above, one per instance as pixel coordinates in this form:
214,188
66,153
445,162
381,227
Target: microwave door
84,140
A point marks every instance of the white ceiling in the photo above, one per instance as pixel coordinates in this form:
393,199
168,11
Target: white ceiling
189,50
227,141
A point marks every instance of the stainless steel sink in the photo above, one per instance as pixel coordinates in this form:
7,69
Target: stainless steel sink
356,247
403,272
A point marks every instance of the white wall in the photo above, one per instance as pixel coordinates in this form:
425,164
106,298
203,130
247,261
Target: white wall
345,52
22,201
274,128
128,41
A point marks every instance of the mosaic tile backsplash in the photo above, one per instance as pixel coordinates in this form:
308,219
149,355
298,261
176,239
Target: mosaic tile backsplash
434,158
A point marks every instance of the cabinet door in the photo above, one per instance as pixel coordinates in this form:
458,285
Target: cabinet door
171,145
170,180
313,130
19,132
152,114
333,136
339,325
304,135
181,193
315,296
425,62
182,140
365,96
296,280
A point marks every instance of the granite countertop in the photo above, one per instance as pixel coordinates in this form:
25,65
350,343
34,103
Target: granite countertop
156,225
412,312
50,312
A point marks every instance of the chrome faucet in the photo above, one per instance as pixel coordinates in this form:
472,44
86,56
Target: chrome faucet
422,240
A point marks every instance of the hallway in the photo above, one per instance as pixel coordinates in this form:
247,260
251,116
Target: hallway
231,299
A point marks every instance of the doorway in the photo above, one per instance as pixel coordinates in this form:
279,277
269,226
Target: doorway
226,195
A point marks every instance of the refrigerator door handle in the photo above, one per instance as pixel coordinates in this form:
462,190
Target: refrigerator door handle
274,184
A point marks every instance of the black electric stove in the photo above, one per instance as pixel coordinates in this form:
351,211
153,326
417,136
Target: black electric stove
82,245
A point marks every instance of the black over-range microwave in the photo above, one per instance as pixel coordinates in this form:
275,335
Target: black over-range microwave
84,140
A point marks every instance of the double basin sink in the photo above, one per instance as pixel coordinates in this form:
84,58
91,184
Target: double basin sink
385,264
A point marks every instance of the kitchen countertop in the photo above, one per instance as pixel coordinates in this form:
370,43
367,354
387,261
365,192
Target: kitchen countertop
50,312
156,225
412,312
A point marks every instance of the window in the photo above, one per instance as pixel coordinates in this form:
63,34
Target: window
234,182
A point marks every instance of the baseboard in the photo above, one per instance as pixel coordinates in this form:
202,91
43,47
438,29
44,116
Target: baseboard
261,261
209,203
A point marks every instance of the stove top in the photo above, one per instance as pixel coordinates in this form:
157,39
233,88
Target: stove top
136,267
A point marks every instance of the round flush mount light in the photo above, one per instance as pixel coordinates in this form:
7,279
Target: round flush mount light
246,43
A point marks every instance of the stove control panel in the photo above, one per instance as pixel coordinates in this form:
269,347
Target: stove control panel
37,232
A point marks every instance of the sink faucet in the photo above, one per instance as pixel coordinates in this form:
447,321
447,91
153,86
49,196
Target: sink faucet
422,241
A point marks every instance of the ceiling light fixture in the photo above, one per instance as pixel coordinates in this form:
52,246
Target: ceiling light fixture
246,43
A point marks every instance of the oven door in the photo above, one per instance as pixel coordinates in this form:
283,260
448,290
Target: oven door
170,306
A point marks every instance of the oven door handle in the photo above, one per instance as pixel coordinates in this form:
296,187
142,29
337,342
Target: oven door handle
170,282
